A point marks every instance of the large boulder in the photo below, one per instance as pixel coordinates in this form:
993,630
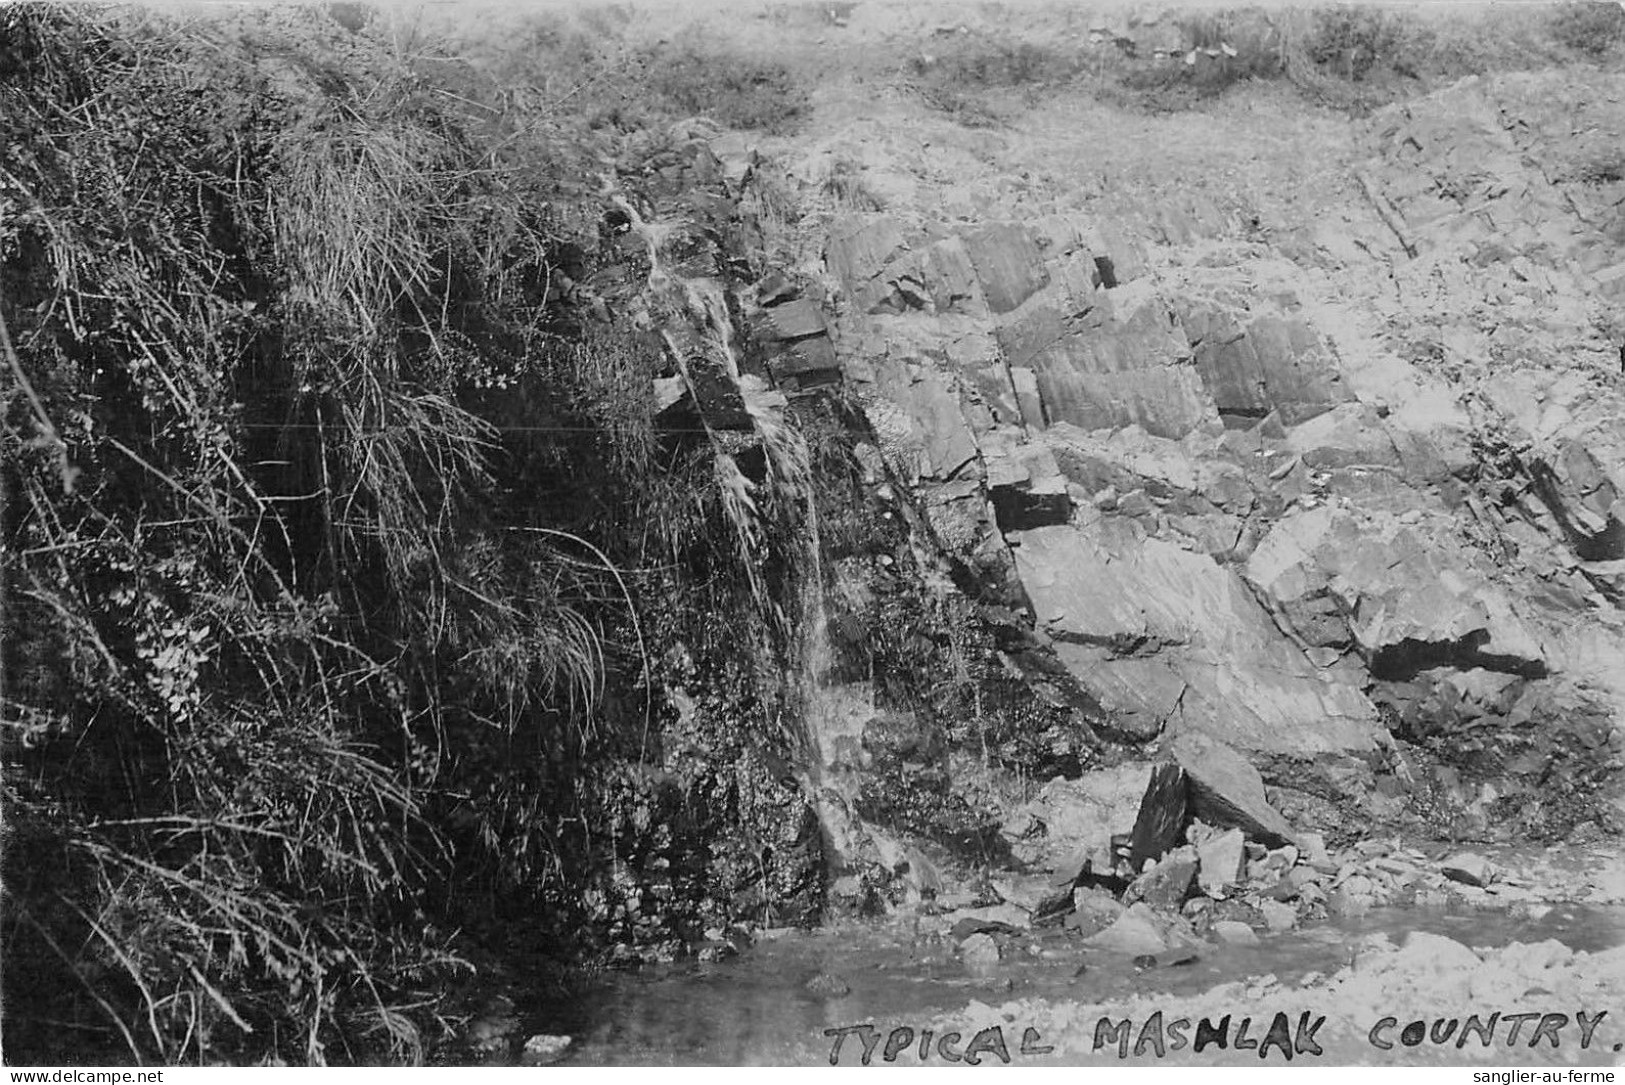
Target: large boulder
1166,638
1008,264
1271,364
1132,369
795,338
1070,820
1408,601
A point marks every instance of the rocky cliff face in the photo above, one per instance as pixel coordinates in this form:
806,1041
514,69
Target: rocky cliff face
1335,481
1329,475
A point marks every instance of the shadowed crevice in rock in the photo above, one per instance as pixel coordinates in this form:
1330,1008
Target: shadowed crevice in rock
1402,661
1163,811
1584,501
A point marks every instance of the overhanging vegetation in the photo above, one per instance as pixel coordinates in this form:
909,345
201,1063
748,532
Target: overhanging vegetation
326,542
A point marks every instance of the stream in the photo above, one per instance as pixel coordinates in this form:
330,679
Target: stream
756,1008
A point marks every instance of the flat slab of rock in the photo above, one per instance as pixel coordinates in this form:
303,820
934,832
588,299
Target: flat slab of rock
950,278
808,361
1008,263
1032,893
1271,364
996,916
793,320
1132,370
1227,790
860,245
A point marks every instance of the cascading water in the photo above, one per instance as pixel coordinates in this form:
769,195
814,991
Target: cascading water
827,735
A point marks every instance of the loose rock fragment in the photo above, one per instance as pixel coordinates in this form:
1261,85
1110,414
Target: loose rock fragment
542,1049
1220,860
1092,910
1314,850
830,985
1468,869
1277,916
1166,884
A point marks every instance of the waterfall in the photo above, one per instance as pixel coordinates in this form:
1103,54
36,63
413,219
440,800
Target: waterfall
826,729
814,653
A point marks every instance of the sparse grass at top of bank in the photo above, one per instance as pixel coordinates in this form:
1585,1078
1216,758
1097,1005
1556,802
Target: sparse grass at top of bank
602,69
618,69
1351,56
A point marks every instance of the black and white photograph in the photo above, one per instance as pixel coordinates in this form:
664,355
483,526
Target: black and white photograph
878,533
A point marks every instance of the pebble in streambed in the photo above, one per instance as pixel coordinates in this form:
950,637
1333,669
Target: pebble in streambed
828,985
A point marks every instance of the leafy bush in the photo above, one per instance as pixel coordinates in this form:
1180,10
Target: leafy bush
585,73
1351,41
336,546
246,297
993,62
1590,27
